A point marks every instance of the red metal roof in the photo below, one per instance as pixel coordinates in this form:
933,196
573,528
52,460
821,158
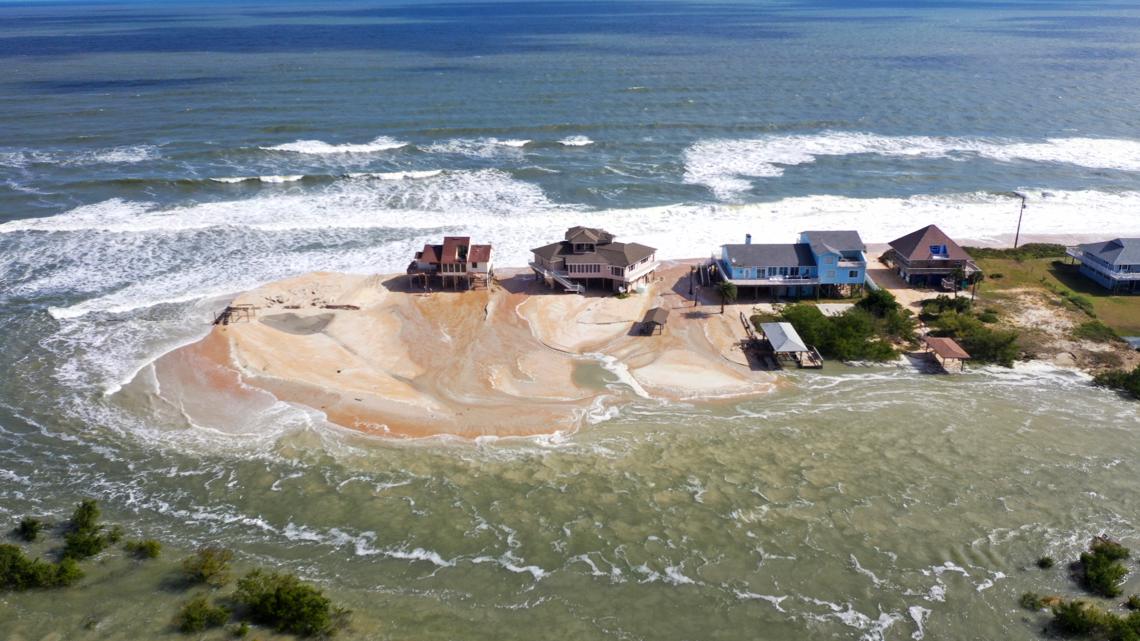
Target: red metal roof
946,347
451,247
479,254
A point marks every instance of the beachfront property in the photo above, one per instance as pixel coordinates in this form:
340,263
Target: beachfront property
830,260
1113,264
454,262
927,257
590,257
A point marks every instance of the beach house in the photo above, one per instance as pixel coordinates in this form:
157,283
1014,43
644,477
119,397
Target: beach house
455,262
590,257
831,261
927,257
1114,264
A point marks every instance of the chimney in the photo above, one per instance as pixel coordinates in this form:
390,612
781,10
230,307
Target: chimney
747,239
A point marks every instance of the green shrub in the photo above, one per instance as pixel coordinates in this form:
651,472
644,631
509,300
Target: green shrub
29,528
1100,570
1024,252
1124,381
1078,618
1133,602
1031,601
854,335
241,630
148,549
934,307
988,316
1096,332
209,565
997,276
85,536
19,572
285,603
984,345
1045,562
197,614
878,302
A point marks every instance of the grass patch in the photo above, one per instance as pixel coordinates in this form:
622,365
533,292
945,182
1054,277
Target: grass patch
1028,251
1096,332
1045,562
1121,313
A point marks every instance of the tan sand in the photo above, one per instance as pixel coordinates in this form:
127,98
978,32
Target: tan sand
375,357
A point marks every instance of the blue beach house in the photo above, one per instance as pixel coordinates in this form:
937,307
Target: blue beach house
832,261
1114,264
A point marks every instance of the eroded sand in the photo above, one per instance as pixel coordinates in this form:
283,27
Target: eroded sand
498,362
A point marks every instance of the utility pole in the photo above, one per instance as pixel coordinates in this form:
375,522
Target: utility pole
1017,236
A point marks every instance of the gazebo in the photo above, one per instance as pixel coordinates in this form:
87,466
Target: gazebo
787,344
654,322
947,353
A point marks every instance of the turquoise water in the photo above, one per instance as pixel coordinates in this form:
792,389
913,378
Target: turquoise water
157,158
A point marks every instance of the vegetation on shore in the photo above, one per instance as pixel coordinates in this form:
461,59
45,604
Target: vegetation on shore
277,600
1028,251
1099,571
869,331
1121,380
956,318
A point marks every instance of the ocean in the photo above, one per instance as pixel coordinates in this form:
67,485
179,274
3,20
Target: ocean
158,157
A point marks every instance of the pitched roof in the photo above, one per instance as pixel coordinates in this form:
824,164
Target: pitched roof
479,254
836,242
783,337
782,255
605,252
916,245
430,254
657,315
580,234
1118,251
453,246
946,347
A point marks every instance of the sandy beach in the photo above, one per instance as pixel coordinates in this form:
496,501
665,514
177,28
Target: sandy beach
515,359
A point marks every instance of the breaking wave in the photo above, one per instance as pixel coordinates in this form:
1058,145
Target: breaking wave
124,155
477,147
576,141
319,147
726,166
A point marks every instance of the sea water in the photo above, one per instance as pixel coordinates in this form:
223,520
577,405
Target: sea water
156,158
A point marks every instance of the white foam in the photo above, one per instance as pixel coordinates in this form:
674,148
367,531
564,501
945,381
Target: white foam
774,600
727,166
476,147
123,155
280,179
319,147
576,141
399,175
919,615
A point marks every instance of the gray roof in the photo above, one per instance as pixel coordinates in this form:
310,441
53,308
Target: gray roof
835,242
1119,251
581,234
783,337
613,254
657,315
916,245
784,255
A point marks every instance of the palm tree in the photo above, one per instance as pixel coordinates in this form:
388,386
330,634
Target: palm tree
975,278
727,291
958,275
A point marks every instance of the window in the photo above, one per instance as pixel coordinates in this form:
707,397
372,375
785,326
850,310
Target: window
795,271
853,274
616,271
474,265
783,271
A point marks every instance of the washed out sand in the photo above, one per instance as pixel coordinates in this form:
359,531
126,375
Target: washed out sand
374,356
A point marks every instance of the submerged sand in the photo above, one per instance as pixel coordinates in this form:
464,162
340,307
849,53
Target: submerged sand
515,359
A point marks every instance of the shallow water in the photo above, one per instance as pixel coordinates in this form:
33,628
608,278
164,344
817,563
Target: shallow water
856,502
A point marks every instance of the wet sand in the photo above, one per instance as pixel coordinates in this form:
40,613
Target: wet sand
375,356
